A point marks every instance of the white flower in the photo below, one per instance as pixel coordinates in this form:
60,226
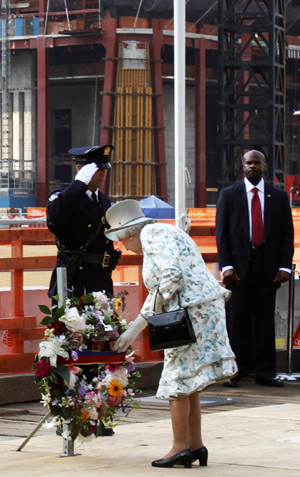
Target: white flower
72,320
49,424
120,374
52,349
46,399
100,297
92,412
72,380
66,402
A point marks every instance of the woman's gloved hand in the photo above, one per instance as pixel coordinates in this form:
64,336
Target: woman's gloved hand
126,338
86,173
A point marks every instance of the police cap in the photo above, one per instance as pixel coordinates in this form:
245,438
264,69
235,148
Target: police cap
88,154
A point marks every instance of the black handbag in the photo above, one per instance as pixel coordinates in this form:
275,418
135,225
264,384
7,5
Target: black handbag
170,329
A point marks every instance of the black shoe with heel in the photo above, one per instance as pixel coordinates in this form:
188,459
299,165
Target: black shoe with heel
182,458
201,455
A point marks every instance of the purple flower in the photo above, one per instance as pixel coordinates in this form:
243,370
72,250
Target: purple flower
74,355
81,390
130,367
98,313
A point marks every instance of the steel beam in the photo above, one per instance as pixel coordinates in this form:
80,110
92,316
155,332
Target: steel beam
200,124
42,123
156,44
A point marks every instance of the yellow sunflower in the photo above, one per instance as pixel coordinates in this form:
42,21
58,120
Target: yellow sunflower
115,388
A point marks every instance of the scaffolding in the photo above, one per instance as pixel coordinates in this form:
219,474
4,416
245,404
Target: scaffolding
67,17
251,85
16,174
133,174
5,96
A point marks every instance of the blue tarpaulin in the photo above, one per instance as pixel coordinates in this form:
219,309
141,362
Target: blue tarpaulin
154,207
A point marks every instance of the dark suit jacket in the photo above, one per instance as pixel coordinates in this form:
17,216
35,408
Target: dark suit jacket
232,229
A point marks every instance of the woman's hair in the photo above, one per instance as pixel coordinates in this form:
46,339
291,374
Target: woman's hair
125,233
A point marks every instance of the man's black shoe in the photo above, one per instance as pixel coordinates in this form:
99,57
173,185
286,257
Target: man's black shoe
275,382
232,383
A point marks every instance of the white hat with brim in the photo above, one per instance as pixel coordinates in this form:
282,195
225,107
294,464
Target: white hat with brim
124,215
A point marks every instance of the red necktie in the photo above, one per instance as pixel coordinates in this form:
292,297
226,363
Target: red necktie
257,223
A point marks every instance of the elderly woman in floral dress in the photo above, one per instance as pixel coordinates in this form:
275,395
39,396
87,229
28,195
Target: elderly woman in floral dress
173,265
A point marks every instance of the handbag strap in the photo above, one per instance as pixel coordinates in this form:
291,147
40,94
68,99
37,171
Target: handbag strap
155,310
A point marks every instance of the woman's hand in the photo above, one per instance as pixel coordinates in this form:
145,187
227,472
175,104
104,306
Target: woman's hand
126,338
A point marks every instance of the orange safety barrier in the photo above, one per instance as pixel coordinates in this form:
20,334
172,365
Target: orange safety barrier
33,212
20,329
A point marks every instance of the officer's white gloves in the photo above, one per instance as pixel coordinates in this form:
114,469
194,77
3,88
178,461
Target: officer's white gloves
86,173
126,338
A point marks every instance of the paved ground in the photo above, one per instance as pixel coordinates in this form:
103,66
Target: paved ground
249,431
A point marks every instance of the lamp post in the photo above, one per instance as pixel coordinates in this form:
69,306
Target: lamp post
179,111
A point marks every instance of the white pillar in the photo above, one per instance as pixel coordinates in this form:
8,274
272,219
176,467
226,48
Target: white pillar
179,111
16,127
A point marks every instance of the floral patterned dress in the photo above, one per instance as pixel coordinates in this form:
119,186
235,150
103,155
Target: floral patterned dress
172,262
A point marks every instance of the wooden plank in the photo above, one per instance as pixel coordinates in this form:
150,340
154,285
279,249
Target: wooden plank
16,362
17,322
28,235
211,257
27,263
28,334
202,230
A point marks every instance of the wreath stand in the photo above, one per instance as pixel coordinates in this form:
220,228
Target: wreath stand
289,375
68,444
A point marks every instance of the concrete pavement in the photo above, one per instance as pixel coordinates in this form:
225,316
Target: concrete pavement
258,441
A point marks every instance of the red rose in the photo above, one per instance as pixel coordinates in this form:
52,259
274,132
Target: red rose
42,368
112,367
58,327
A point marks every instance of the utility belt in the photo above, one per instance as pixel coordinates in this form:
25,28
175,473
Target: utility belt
106,260
72,259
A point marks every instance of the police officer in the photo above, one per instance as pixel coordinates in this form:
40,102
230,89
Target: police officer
75,215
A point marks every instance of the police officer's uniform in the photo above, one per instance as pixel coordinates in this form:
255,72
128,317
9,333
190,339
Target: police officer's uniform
75,220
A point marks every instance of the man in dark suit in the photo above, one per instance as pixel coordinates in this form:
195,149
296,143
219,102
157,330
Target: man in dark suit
75,215
255,255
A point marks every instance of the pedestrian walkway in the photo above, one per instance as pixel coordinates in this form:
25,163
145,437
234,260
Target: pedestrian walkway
258,441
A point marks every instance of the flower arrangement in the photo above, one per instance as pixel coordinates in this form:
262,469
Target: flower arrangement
80,334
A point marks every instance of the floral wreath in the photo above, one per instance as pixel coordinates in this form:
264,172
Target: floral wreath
80,334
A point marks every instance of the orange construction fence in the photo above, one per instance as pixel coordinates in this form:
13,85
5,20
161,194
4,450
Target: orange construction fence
18,329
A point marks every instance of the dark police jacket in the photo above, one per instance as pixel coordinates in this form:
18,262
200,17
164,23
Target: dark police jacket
73,218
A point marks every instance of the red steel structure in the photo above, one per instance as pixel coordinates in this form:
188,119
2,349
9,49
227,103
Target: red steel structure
109,35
